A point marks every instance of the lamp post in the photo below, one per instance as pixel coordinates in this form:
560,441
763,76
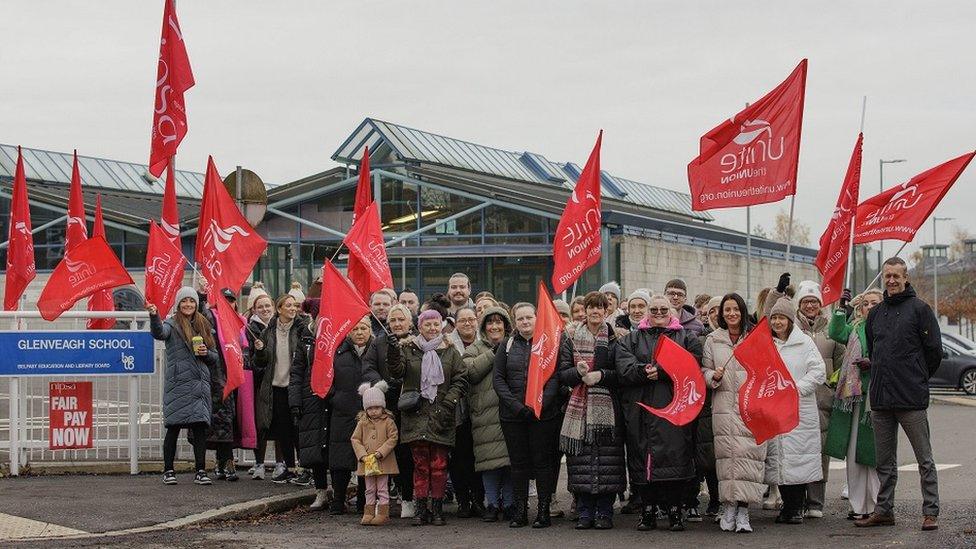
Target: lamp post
881,165
935,264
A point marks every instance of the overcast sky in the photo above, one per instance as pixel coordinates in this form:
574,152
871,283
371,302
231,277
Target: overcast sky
281,84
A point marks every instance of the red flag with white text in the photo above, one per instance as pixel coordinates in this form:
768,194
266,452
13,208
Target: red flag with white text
229,327
365,243
577,242
227,247
358,273
835,243
688,384
173,78
170,220
21,269
768,401
340,309
898,212
92,266
164,270
102,299
753,157
545,349
77,229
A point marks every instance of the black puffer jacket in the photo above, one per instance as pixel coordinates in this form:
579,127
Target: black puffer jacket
657,445
313,427
599,468
346,403
223,421
375,368
511,370
905,347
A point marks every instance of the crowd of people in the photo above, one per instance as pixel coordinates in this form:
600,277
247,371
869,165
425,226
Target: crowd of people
427,403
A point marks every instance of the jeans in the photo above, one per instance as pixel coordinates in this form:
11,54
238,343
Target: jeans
915,423
429,469
532,447
794,496
591,506
404,479
467,483
498,487
199,445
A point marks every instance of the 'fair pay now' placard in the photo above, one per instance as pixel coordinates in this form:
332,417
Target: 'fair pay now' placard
70,415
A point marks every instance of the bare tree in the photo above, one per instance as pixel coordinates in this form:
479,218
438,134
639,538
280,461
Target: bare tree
781,230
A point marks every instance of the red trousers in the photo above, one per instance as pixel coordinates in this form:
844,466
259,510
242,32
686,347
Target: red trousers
429,469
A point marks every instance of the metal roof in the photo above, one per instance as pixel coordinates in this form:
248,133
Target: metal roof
412,145
55,167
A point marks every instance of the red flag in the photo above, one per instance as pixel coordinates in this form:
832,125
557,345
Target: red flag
170,220
92,266
227,246
689,384
164,269
898,212
768,402
365,243
340,309
358,273
173,78
577,244
102,299
229,327
835,243
752,158
545,349
20,241
77,230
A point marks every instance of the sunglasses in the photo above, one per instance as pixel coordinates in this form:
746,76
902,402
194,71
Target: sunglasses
659,311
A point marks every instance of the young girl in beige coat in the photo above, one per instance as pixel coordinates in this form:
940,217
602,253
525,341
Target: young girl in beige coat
373,442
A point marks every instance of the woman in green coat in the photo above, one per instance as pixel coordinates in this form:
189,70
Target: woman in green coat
490,452
849,434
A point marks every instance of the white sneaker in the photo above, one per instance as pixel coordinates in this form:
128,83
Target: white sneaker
321,500
844,493
742,520
407,509
727,518
250,471
258,473
813,513
278,470
532,490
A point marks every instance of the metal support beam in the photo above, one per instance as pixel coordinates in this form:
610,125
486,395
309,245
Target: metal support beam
306,222
56,209
38,229
436,224
347,182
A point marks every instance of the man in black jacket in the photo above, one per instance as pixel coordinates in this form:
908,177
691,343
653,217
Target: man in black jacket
905,349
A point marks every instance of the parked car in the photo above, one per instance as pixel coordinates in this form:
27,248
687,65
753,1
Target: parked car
960,341
958,368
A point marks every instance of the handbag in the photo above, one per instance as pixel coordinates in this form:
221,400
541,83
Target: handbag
409,401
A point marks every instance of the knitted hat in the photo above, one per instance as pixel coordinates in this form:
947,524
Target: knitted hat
561,306
611,288
187,292
296,292
375,395
427,315
676,283
640,294
783,306
257,290
807,288
714,302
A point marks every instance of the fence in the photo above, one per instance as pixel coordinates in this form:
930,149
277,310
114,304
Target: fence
126,409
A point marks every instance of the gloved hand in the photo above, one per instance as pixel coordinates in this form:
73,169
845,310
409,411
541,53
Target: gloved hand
296,414
845,298
592,378
526,414
582,368
784,281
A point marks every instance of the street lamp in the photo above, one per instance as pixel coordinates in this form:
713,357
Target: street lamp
935,265
881,165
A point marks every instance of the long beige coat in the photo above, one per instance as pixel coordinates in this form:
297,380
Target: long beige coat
740,463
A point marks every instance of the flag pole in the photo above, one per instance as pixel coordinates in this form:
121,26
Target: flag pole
748,250
789,230
850,243
575,282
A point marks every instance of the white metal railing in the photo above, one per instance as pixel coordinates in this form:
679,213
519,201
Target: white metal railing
126,409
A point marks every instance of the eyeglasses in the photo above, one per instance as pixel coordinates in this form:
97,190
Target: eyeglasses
674,293
466,321
659,311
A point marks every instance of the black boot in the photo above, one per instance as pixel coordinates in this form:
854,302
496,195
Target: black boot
648,518
437,515
490,514
421,513
676,520
542,518
463,509
478,509
520,514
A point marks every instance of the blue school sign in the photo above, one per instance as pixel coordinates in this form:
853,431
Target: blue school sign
82,353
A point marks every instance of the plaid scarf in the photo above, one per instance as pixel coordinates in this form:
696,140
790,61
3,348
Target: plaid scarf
590,409
849,390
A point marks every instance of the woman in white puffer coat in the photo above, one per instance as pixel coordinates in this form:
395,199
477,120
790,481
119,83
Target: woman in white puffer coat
793,458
